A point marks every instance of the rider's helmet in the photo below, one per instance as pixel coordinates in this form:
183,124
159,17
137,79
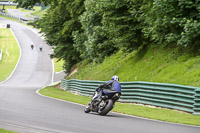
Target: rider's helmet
115,78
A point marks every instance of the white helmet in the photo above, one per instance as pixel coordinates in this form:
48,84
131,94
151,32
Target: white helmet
115,78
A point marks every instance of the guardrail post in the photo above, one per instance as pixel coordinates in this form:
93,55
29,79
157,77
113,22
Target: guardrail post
62,84
197,102
68,85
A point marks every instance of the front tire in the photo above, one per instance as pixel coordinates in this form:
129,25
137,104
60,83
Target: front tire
108,107
87,109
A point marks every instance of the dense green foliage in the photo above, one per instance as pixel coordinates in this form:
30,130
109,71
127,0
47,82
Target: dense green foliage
107,27
58,25
94,29
30,3
175,22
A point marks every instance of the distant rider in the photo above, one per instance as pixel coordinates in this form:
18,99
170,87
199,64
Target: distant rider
41,48
32,45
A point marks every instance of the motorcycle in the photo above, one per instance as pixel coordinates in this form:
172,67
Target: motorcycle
103,103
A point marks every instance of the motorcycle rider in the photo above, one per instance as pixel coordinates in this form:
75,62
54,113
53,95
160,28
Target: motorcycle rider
41,48
107,90
32,45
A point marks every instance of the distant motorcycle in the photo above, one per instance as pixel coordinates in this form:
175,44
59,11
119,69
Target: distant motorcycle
32,46
41,48
102,104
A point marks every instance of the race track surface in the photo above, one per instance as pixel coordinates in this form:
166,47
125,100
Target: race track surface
23,110
18,13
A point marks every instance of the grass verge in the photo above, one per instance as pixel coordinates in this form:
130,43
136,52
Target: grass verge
130,109
151,64
11,53
39,13
58,65
6,131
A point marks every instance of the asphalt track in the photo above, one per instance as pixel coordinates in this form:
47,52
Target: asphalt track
23,110
18,13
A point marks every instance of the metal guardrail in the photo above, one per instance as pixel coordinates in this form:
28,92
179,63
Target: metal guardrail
184,98
197,102
14,17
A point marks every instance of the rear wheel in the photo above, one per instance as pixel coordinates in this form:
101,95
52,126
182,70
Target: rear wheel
108,107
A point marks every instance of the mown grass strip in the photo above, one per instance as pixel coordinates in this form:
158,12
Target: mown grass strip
11,53
38,12
153,64
6,131
130,109
58,65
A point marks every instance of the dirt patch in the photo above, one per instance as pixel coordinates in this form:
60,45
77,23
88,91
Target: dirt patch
74,71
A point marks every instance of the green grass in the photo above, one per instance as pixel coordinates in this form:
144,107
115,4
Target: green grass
130,109
10,58
64,95
39,12
6,131
58,65
153,64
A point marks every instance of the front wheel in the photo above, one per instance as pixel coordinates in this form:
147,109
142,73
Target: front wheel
108,107
87,109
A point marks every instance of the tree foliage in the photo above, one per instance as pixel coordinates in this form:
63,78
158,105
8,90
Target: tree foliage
108,26
93,42
30,3
58,25
93,29
175,22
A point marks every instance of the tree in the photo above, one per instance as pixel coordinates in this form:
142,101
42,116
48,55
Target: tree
108,26
58,25
93,42
122,25
175,22
30,3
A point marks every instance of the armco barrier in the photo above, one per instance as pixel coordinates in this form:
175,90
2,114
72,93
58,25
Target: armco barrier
184,98
14,17
197,102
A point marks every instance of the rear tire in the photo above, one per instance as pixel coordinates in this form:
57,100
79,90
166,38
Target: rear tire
108,108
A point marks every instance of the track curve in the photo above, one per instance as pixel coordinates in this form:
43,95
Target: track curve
23,110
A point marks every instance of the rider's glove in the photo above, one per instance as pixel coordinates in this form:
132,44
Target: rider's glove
98,89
